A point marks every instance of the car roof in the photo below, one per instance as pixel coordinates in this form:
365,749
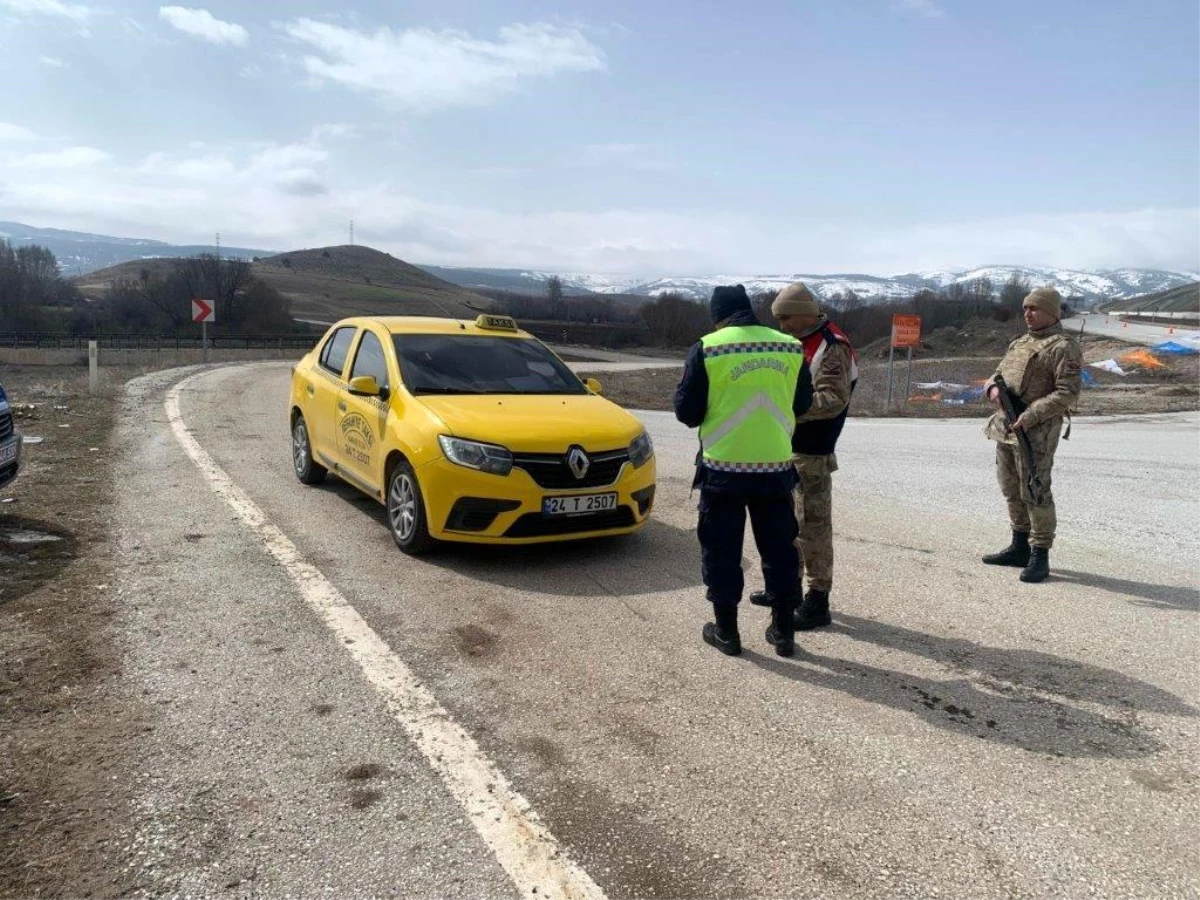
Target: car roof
433,325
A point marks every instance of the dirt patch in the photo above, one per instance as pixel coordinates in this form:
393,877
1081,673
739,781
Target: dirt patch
64,794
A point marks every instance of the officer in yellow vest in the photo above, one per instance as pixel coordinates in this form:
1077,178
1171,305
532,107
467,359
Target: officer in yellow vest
743,385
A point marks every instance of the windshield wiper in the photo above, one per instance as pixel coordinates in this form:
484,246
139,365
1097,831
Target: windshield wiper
446,390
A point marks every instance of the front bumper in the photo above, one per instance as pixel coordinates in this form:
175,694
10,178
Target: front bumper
10,457
475,507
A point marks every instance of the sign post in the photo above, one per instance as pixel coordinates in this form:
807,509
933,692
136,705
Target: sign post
906,333
204,311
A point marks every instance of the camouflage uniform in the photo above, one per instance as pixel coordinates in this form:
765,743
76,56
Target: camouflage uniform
832,384
1043,369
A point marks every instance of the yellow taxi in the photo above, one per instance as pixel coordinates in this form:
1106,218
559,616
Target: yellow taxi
467,431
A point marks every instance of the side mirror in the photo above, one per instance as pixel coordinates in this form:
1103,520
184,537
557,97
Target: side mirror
594,386
365,386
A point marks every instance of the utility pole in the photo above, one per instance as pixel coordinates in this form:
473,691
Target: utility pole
218,245
351,232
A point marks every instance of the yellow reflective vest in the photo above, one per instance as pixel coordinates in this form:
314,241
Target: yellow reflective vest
752,376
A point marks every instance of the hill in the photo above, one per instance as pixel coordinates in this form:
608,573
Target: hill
333,282
330,283
79,253
1185,298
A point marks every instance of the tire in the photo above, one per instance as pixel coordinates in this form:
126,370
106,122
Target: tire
303,464
406,511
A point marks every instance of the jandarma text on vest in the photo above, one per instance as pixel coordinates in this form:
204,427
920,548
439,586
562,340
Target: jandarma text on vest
751,364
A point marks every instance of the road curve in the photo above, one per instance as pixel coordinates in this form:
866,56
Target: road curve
1133,331
955,732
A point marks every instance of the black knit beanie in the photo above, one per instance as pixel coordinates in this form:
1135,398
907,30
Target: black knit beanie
727,300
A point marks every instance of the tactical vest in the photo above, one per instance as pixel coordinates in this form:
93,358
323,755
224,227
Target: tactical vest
1015,364
752,375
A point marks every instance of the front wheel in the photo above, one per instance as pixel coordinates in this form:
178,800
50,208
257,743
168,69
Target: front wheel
303,464
406,511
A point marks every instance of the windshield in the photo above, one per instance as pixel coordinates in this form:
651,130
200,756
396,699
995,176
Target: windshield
468,364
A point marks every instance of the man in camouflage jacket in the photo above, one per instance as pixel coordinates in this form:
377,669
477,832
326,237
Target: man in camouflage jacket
1042,371
834,367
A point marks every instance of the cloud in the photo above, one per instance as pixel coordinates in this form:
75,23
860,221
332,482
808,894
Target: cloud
298,194
52,62
620,156
202,24
12,133
335,131
927,8
72,11
67,158
424,69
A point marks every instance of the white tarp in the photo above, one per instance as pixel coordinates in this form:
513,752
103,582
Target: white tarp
1108,365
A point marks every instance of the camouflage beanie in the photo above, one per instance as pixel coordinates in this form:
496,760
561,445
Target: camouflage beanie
795,300
1046,299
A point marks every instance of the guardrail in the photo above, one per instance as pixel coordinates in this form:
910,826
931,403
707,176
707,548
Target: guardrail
53,341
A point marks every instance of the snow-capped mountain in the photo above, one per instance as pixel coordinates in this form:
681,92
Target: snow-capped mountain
1112,284
78,252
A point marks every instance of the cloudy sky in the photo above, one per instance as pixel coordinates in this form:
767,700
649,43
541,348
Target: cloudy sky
681,136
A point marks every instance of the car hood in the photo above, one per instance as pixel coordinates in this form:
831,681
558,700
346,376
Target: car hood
536,423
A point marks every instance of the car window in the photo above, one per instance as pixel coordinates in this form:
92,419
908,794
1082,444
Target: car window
333,356
369,360
470,364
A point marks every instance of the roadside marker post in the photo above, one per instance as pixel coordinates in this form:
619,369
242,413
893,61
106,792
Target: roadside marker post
203,311
906,333
93,367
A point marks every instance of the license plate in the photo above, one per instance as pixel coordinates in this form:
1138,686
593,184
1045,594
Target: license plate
8,453
578,504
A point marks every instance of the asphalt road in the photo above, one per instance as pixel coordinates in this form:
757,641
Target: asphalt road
1133,331
956,733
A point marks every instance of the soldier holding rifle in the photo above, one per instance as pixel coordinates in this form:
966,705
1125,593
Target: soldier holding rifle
1034,387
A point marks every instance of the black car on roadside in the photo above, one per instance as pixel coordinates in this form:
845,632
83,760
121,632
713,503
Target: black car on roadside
10,442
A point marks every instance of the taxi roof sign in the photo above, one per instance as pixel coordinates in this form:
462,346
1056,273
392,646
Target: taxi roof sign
496,323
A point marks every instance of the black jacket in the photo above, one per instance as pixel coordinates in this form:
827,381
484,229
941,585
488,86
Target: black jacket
691,406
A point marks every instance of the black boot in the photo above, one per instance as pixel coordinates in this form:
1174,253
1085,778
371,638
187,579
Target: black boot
724,634
1015,554
1039,565
762,598
782,632
814,611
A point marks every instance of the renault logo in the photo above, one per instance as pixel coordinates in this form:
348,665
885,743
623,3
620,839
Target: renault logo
578,462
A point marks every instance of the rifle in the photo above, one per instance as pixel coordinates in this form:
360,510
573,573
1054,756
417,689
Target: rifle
1009,403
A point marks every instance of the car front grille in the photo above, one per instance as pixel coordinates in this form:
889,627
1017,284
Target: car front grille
550,470
6,424
538,525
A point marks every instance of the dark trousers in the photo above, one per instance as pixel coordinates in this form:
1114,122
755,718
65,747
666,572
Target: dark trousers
722,530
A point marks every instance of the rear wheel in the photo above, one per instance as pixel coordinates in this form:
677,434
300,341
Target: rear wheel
406,511
303,464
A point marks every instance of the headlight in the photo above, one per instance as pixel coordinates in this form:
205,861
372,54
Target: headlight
641,450
474,455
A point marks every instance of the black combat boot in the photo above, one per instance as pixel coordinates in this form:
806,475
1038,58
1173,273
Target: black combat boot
1039,565
1015,554
762,598
781,633
814,611
724,634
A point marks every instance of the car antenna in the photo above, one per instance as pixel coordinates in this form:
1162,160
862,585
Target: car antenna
446,313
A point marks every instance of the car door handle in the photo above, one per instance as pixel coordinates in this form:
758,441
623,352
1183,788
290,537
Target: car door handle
341,407
311,390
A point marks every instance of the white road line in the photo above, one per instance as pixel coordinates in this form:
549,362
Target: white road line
526,849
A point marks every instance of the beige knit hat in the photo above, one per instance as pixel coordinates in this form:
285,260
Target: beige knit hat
1047,299
795,300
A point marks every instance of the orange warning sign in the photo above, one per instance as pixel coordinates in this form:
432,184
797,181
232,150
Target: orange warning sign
906,331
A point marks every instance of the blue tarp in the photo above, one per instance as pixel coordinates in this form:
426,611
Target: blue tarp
1175,349
1089,380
